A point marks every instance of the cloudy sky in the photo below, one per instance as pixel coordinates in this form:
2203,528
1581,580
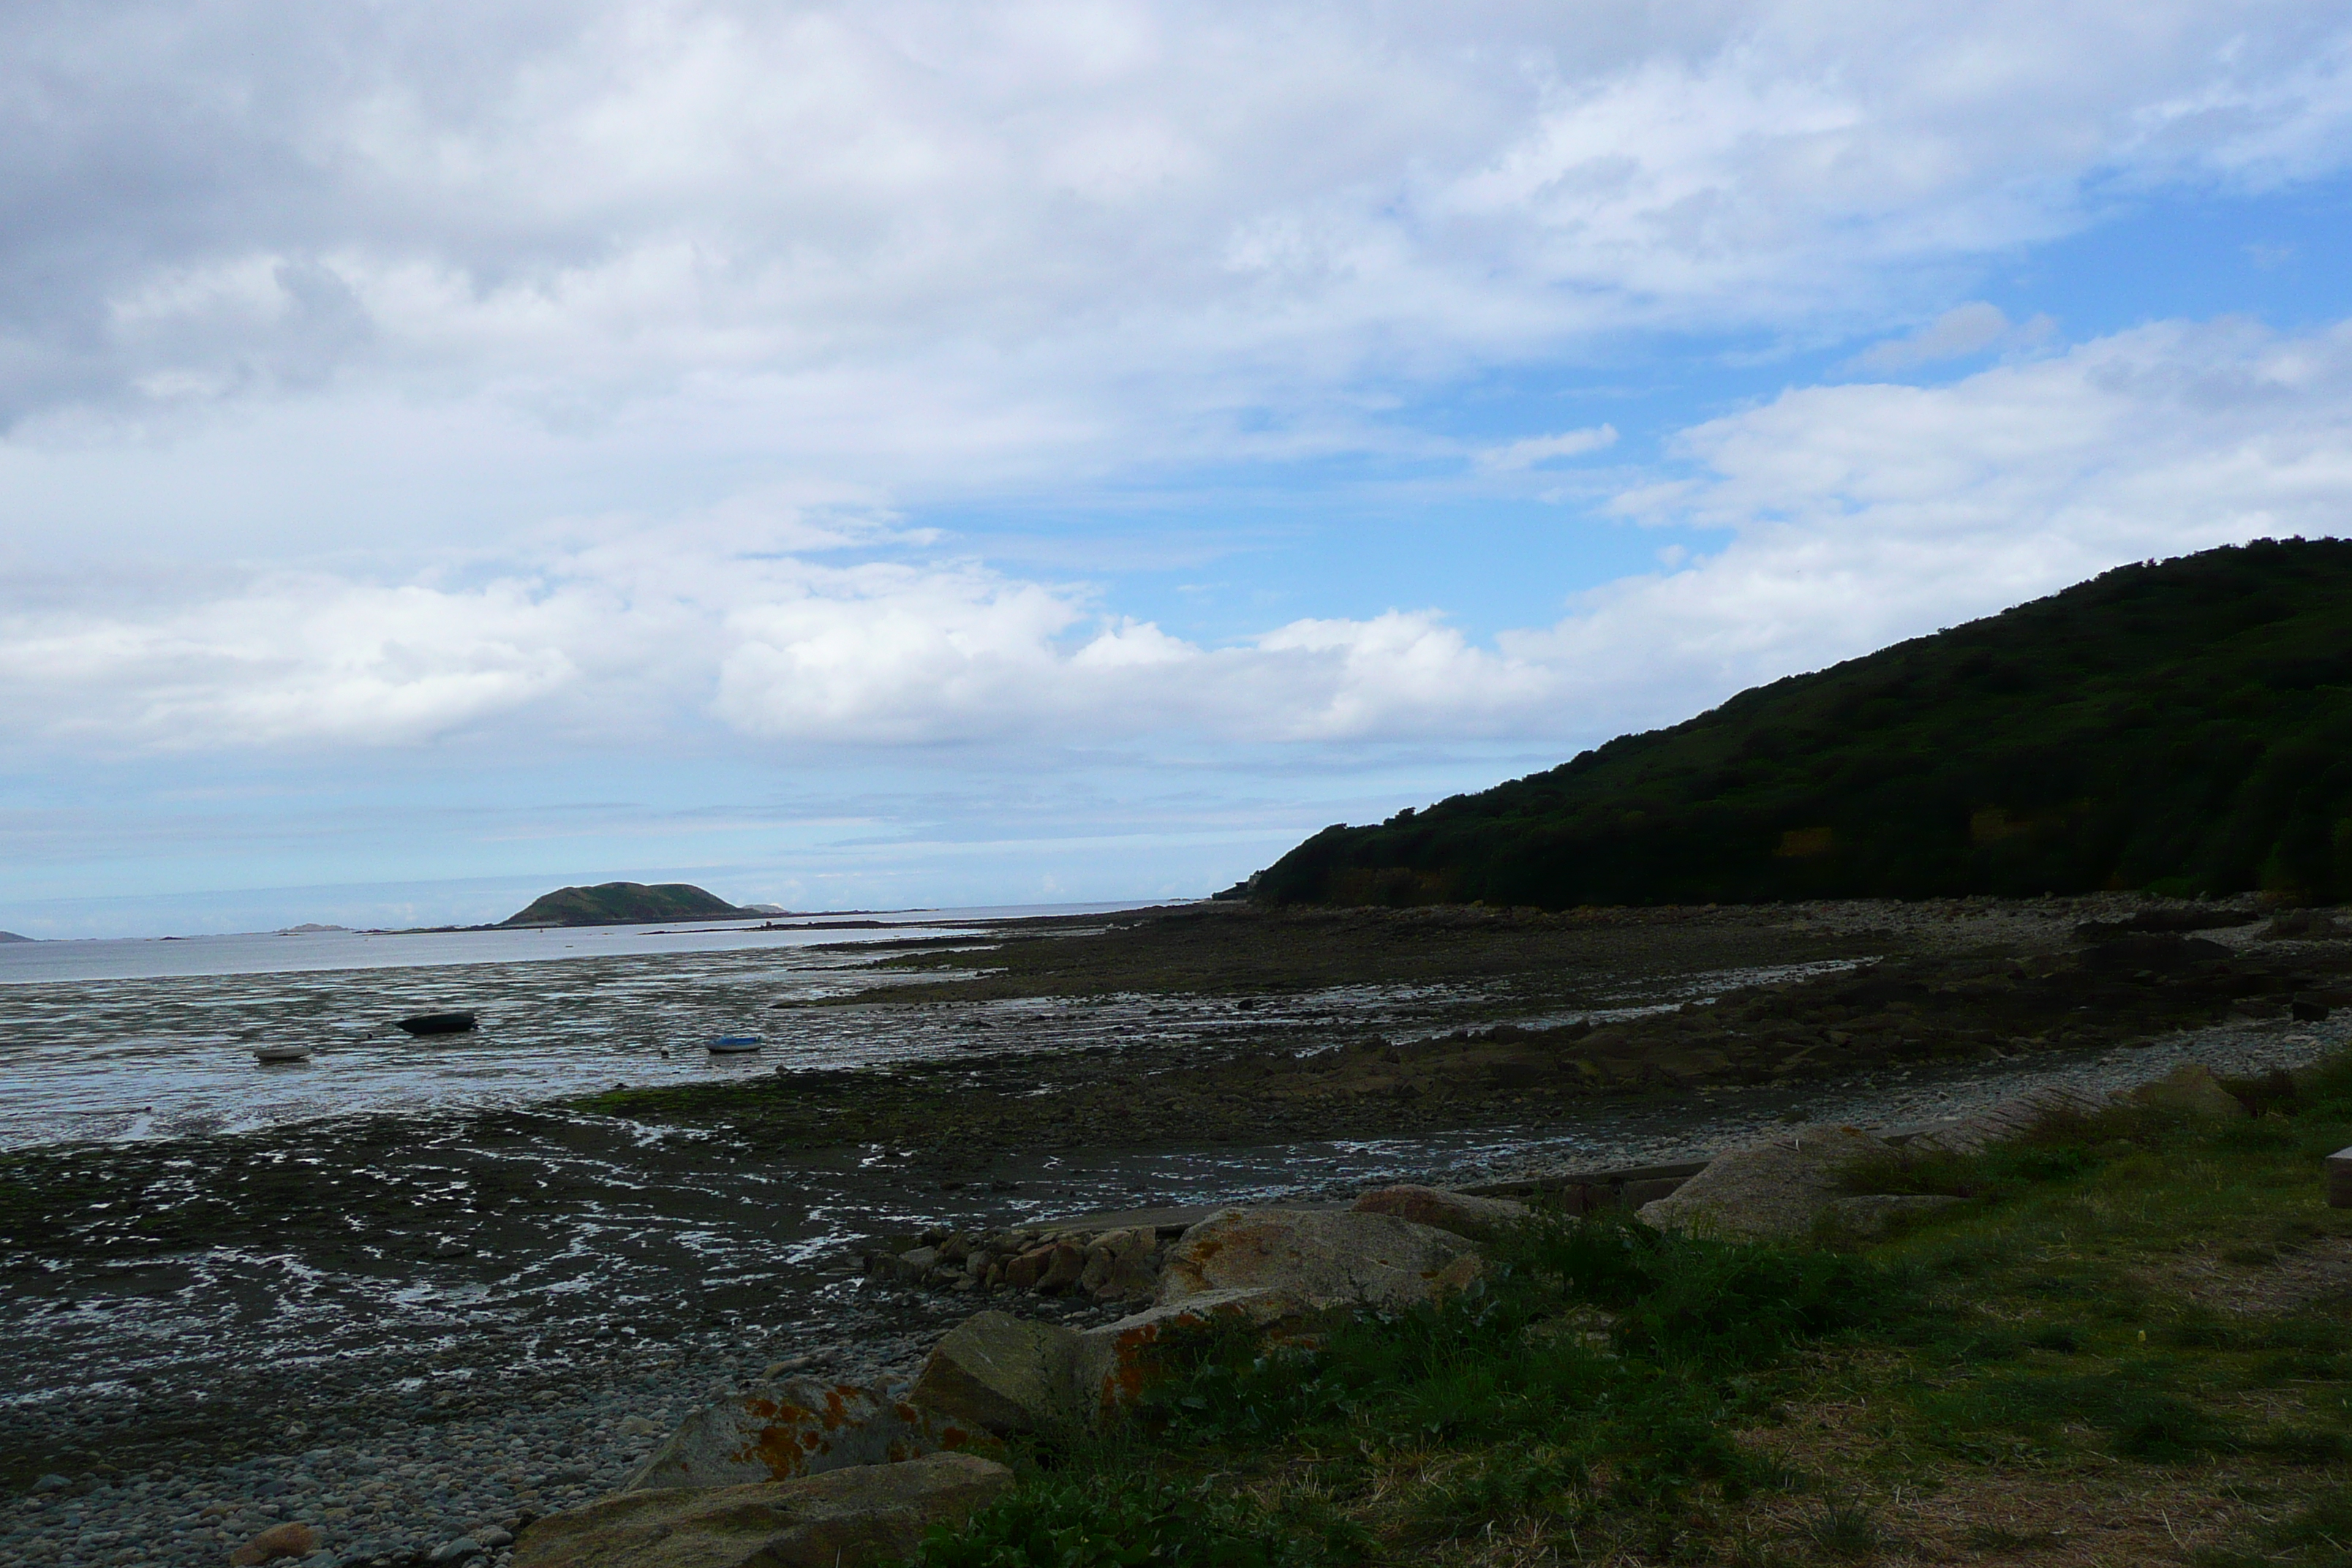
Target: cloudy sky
902,454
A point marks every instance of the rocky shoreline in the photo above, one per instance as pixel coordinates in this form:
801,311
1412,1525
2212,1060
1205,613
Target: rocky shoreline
391,1488
511,1404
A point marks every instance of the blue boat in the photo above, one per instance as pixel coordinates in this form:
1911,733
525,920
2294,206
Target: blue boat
733,1044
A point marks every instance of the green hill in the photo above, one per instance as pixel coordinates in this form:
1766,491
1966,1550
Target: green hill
622,903
2183,726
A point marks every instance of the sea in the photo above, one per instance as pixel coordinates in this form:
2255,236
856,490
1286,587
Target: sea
104,1040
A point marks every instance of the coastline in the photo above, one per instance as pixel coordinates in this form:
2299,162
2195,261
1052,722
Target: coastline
482,1310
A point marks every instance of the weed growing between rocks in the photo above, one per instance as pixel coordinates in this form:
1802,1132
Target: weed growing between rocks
2132,1342
1591,1382
1103,1521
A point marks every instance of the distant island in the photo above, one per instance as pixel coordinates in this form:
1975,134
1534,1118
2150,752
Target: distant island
624,903
2182,728
12,936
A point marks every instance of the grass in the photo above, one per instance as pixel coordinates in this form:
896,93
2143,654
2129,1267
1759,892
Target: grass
2130,1344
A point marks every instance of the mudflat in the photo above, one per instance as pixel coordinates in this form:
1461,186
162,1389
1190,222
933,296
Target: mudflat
1272,1023
510,1305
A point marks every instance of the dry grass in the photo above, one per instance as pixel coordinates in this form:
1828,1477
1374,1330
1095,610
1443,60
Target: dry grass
2260,1280
2089,1510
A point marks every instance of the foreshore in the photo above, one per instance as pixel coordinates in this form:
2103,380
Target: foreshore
405,1328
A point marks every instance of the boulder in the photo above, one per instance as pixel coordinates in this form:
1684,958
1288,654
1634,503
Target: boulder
2302,925
2009,1118
1777,1188
1120,1263
1480,1219
1868,1217
292,1538
1023,1271
2338,1168
1115,1362
844,1519
2188,1089
792,1426
1068,1261
904,1268
1323,1257
998,1374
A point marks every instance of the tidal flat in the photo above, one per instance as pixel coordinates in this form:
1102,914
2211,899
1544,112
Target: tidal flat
404,1327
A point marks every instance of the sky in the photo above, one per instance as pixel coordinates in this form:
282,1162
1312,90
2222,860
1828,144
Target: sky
901,455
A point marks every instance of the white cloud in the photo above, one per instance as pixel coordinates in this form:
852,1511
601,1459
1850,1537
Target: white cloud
1863,514
301,660
1117,223
1857,515
1536,449
616,642
1958,332
343,308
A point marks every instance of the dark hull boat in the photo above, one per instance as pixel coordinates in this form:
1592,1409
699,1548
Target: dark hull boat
438,1022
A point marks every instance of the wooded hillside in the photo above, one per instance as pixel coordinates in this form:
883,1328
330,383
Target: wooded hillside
2183,726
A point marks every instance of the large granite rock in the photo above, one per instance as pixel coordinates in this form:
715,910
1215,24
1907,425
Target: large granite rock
998,1374
846,1518
2190,1090
2010,1119
1772,1190
1114,1362
793,1427
1121,1263
1479,1220
1324,1257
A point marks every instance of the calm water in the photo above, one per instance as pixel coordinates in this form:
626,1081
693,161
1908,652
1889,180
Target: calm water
155,1039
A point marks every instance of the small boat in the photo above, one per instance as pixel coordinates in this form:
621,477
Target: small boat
438,1022
273,1056
734,1045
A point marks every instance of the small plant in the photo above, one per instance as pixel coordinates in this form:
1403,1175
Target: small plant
2062,1338
2319,1536
1847,1529
1106,1523
2000,1538
1750,1550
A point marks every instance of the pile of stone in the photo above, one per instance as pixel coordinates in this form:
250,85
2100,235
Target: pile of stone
796,1473
1107,1265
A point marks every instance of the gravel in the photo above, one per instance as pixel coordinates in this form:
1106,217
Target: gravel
411,1493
